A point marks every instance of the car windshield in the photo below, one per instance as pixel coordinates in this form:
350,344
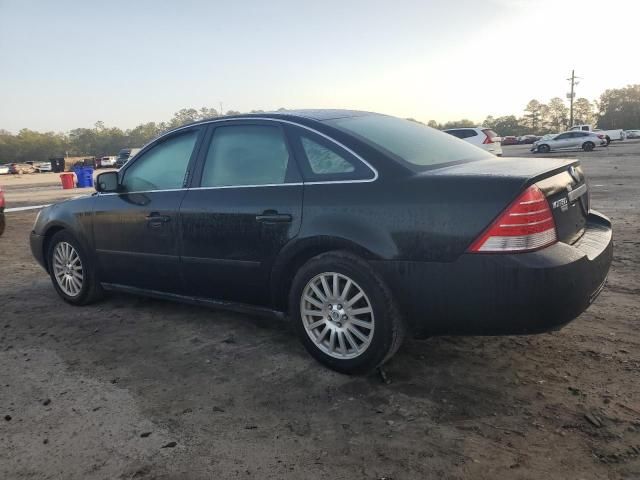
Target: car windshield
410,141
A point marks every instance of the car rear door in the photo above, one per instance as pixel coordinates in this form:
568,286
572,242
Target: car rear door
244,205
136,230
576,139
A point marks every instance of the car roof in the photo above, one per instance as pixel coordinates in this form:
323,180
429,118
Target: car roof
302,115
309,114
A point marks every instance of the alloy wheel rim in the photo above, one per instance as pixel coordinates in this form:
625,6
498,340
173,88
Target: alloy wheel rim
67,269
337,315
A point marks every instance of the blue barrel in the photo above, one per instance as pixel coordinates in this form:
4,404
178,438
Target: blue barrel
84,175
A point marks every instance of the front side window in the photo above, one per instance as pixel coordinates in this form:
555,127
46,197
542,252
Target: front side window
163,167
411,142
246,155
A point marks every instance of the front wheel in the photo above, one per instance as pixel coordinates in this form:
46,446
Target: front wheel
344,314
71,270
588,146
544,149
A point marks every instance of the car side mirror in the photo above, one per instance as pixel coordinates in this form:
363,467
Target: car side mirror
107,182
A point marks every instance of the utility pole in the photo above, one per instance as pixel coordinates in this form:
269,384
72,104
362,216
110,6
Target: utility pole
572,95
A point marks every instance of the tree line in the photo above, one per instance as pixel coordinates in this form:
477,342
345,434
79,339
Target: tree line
617,108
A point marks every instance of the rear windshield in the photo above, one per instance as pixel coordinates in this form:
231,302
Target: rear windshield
413,142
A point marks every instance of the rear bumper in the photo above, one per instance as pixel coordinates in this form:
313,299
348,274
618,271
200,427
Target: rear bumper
494,148
490,294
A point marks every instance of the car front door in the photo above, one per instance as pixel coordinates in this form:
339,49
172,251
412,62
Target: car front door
562,141
245,204
136,229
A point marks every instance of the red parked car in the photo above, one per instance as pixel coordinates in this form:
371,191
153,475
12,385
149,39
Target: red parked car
1,211
509,140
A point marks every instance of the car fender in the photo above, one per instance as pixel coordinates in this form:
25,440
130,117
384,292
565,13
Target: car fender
302,248
76,218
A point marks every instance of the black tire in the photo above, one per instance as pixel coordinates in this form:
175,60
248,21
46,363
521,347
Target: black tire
389,328
588,146
2,223
91,290
544,148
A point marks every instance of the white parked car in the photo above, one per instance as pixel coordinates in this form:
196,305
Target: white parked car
632,133
484,138
571,140
42,166
105,162
609,135
4,169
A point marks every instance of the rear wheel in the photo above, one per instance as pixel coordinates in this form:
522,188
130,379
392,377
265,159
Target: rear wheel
588,146
71,270
344,314
2,223
544,148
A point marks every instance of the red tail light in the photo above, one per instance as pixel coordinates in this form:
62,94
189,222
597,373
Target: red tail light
1,198
490,136
601,137
527,224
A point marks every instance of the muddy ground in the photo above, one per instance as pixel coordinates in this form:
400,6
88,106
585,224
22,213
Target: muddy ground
137,388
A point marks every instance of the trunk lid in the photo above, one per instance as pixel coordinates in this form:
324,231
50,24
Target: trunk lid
562,182
568,195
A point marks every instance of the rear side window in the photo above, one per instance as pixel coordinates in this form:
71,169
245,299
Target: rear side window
321,159
411,142
246,155
466,133
324,161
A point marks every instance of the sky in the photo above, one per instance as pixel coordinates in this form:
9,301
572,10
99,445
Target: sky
70,63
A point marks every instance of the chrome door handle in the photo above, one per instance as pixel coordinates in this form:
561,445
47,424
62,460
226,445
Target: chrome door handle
272,216
155,219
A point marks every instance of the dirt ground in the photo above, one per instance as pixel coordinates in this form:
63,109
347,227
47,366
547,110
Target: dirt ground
132,388
37,189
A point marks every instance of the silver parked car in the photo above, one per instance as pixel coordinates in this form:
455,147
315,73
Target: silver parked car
575,140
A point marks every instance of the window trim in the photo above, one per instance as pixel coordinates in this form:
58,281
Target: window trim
208,124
